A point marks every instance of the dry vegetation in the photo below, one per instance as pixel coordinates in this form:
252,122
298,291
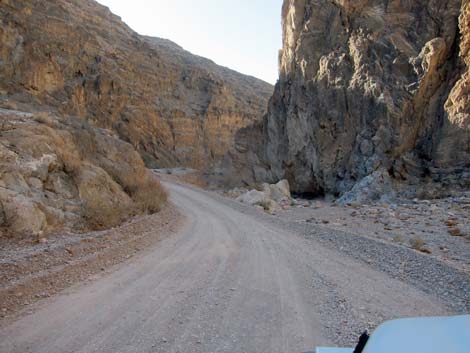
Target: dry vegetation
146,194
63,173
71,160
148,197
141,186
100,214
417,243
44,118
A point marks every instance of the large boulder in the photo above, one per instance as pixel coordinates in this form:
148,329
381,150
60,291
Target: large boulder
271,198
93,182
41,167
61,184
21,216
279,192
253,197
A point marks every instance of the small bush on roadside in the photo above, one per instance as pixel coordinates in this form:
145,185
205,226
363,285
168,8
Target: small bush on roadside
100,215
144,189
417,243
398,238
149,196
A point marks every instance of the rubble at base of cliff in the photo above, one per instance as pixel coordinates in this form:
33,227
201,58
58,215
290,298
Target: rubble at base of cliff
380,186
436,227
270,197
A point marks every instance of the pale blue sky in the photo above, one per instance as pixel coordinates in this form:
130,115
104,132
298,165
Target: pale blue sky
244,35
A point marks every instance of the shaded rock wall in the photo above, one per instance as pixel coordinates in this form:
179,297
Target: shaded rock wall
175,108
376,88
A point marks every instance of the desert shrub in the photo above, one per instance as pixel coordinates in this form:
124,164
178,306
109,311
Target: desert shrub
86,141
6,126
129,179
44,118
149,196
194,178
66,151
100,214
398,238
417,243
71,160
10,105
143,187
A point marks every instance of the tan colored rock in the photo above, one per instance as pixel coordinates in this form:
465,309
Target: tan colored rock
279,192
456,232
51,178
21,215
273,198
42,240
173,107
457,107
93,182
253,197
35,183
271,206
61,184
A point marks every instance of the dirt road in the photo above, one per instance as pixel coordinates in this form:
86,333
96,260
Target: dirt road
227,282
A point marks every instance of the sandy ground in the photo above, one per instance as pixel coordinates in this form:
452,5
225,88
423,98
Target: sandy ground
229,280
30,271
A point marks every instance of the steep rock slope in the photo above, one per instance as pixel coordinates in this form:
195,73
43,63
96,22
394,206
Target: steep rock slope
76,56
64,174
372,94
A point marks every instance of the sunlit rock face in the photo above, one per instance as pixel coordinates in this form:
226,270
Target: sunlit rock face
175,108
371,88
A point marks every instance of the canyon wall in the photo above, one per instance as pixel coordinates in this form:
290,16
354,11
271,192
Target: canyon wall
62,174
79,59
372,95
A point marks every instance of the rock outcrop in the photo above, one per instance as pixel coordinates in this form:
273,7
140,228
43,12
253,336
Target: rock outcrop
375,89
271,198
63,174
77,57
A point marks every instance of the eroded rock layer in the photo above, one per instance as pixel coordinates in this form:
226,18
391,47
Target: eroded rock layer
372,93
61,173
76,56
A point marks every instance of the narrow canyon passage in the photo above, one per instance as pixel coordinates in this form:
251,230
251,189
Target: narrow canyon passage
227,282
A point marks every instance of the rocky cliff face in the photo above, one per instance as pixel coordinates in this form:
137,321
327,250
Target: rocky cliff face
77,57
372,94
60,173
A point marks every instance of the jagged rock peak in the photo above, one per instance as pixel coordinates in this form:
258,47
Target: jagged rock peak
371,88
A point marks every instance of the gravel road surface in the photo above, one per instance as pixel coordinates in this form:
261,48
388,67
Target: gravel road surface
227,282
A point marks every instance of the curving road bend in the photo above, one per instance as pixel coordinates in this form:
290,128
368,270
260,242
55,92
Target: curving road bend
227,282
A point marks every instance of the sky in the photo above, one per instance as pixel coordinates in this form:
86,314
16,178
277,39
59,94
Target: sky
244,35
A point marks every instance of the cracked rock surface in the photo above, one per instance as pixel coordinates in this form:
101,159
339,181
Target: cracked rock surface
371,88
